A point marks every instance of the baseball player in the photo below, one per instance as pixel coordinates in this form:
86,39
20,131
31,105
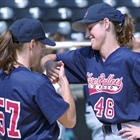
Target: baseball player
29,104
108,66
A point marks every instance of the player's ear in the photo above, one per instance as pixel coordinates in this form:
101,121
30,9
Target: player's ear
106,23
32,44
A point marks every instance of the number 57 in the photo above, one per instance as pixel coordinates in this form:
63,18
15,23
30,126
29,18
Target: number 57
12,107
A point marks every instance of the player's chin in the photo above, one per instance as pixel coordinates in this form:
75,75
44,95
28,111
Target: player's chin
95,47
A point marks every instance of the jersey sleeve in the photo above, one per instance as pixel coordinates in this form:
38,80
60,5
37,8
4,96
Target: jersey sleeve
75,64
50,102
136,72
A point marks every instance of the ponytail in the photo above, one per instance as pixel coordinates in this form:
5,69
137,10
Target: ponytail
7,51
125,31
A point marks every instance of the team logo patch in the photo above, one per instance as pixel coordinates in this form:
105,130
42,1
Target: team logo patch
102,84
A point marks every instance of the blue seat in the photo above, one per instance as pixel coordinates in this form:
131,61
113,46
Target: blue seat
57,14
6,13
135,12
128,3
13,4
91,2
63,27
73,3
32,13
44,3
78,14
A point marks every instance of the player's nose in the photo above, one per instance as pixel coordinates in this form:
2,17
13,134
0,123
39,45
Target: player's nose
87,34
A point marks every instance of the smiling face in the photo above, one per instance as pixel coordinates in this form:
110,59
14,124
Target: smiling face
96,32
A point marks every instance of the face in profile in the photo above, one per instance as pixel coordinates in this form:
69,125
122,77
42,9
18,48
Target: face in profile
37,52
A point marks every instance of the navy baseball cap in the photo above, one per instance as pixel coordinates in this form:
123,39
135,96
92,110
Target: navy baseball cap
96,13
26,29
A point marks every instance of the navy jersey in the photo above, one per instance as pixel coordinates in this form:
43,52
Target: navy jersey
29,106
114,85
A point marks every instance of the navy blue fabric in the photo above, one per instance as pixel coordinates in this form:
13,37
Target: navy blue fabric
114,85
26,29
96,13
40,106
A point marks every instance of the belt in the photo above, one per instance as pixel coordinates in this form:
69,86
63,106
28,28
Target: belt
107,129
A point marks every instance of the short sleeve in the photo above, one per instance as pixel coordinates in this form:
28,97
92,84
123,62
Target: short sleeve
75,64
50,102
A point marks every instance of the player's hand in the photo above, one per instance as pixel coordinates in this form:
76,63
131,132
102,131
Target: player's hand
52,70
62,75
131,131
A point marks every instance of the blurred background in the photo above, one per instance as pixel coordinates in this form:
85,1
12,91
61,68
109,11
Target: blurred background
57,16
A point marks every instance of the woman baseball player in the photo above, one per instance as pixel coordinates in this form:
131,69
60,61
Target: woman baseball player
111,70
29,104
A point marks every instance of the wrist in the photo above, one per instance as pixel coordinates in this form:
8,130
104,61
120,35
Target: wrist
63,81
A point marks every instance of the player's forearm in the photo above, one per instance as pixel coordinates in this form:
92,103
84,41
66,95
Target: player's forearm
70,114
46,58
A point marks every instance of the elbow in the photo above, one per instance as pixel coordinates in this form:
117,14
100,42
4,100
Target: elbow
71,123
68,120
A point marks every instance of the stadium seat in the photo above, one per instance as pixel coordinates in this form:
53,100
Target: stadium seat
129,3
57,14
6,13
44,3
14,3
78,14
73,3
63,27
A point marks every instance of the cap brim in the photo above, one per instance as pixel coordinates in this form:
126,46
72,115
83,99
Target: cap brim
48,41
80,25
